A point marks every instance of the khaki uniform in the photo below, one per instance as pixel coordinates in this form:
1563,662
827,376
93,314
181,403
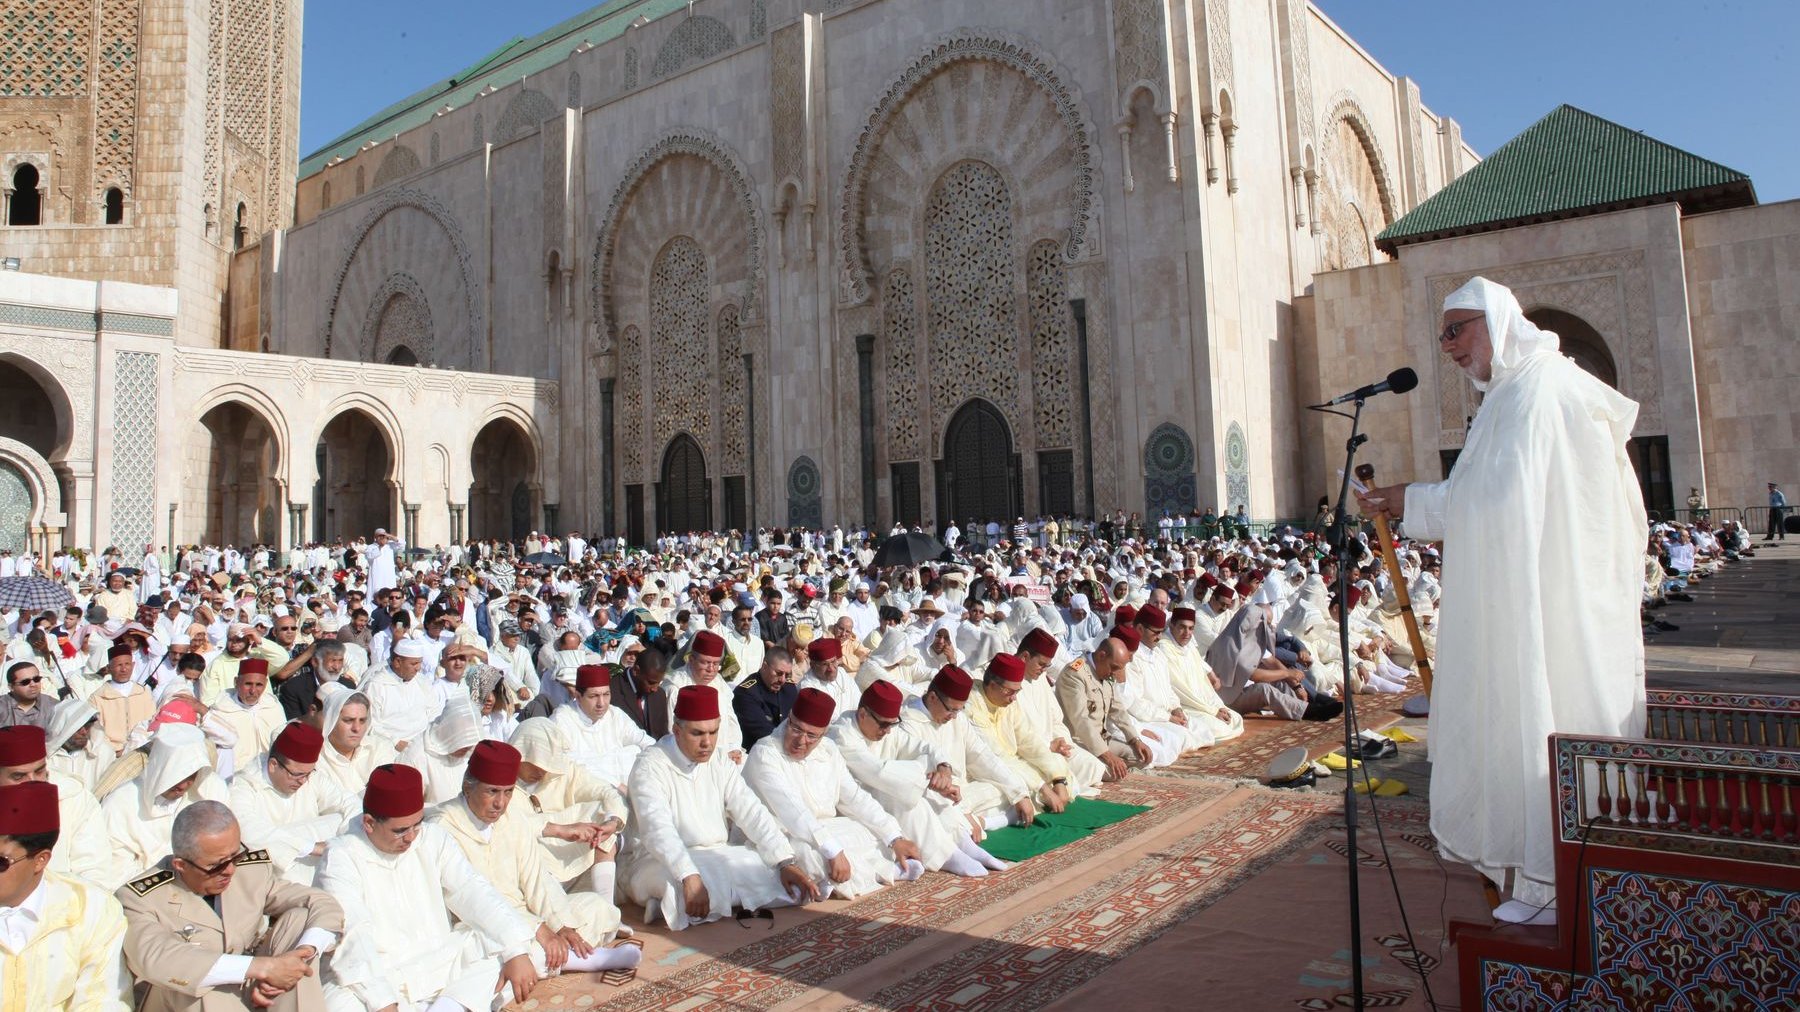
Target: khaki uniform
173,937
1094,710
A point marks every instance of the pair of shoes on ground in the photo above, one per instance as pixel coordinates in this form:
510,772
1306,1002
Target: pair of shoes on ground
1321,708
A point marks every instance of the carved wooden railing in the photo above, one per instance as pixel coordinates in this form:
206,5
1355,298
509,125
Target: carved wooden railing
1661,840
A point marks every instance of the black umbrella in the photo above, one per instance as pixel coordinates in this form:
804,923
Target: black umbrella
545,559
125,571
910,550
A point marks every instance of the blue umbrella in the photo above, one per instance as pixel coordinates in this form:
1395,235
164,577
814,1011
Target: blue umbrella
33,593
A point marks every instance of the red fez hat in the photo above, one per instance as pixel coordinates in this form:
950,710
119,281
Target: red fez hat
119,650
1128,636
824,649
708,644
1246,587
29,808
299,742
697,702
1125,615
1152,617
394,792
882,698
495,763
952,682
591,676
1211,581
813,707
1040,642
1183,615
1352,596
21,744
253,666
1008,667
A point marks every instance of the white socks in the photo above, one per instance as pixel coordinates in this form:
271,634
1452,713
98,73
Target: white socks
1520,912
997,820
969,847
602,876
959,863
620,957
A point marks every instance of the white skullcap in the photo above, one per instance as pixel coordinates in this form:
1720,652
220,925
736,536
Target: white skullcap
1080,602
410,647
1268,593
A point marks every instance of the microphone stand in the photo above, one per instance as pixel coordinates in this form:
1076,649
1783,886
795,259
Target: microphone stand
1341,541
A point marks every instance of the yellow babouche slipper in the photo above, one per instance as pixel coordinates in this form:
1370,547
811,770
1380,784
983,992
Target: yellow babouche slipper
1395,734
1337,763
1383,788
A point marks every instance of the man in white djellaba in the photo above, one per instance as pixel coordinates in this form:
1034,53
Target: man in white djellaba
1543,488
683,795
845,840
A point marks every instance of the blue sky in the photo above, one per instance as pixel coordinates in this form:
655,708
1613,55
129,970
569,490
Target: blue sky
1720,78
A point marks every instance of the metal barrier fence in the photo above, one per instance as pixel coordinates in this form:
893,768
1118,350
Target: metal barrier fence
1754,518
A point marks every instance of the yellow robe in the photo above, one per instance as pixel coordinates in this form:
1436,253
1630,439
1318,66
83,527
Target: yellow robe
73,960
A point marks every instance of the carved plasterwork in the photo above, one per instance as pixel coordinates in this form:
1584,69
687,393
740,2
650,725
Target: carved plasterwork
726,220
1357,201
1141,44
69,363
400,162
527,110
1610,291
399,315
985,94
696,39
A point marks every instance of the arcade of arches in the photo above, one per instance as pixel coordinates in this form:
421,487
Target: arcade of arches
229,482
354,493
503,497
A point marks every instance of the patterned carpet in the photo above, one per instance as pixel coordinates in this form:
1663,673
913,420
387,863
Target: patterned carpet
1015,940
1264,738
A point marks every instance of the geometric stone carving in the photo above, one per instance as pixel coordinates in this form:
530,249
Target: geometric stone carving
398,163
733,455
399,316
631,405
680,373
134,404
115,92
970,259
525,112
1015,87
1052,347
16,502
1357,202
382,205
1168,472
45,50
681,185
904,378
1141,43
695,39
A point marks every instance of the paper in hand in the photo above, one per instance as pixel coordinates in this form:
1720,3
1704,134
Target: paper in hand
1355,484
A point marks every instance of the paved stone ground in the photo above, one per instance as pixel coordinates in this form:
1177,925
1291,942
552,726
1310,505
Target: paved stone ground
1741,633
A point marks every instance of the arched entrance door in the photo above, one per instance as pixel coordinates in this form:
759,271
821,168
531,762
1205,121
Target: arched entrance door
684,497
354,493
229,489
978,479
1579,341
503,465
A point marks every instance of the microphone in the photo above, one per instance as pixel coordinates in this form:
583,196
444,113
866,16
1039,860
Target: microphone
1398,382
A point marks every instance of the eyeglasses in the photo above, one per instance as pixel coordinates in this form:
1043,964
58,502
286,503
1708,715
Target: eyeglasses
302,777
285,628
242,852
884,725
1450,332
29,681
6,863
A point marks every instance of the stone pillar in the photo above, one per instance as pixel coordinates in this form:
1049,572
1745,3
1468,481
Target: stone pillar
607,401
456,522
550,511
412,524
865,398
750,441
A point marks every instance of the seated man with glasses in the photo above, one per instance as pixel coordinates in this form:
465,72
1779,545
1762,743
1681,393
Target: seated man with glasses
845,840
287,811
25,702
910,780
214,924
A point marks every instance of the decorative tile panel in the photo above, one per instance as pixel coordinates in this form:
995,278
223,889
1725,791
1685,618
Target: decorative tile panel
1237,468
733,406
15,508
805,495
1052,347
905,374
134,401
1168,472
970,258
631,404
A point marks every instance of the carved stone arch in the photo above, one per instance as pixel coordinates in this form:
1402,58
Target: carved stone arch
527,110
1345,107
998,122
730,230
256,401
1128,100
45,508
696,39
399,316
436,273
400,162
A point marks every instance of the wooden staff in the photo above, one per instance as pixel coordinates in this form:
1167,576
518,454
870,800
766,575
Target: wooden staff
1365,473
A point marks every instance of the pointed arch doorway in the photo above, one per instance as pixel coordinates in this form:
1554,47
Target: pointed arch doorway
684,496
978,477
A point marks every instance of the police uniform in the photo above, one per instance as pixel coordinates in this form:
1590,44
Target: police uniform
174,936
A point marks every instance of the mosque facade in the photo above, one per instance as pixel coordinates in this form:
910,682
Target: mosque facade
671,266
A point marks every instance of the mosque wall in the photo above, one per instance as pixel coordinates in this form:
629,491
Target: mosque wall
1743,288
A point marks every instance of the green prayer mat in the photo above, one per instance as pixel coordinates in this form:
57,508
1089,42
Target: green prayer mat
1051,830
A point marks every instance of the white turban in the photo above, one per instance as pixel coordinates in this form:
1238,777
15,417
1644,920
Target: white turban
1513,336
410,647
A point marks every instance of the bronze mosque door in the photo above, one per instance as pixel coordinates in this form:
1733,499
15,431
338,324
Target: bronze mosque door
684,496
978,479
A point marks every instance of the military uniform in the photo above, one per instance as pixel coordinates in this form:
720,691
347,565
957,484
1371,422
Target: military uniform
174,936
1091,706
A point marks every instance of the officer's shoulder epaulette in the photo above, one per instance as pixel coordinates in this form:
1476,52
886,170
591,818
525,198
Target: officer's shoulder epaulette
255,857
143,886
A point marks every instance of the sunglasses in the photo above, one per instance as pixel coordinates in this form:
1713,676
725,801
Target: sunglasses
242,853
6,863
29,681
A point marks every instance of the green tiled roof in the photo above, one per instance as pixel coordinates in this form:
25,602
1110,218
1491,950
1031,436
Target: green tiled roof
1568,164
502,67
